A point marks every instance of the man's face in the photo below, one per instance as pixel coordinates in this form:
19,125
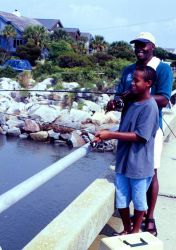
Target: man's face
143,51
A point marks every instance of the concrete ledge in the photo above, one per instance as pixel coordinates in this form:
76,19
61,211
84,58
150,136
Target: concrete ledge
79,224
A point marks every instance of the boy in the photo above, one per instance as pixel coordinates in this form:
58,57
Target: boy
134,159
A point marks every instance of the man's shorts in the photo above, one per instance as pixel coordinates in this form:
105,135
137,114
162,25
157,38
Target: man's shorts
158,146
128,189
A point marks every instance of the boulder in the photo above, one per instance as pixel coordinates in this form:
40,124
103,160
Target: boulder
39,136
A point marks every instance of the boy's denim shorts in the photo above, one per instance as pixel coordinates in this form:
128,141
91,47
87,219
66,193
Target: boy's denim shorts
128,189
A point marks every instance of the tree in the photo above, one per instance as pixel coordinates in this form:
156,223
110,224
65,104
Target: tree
161,53
29,51
58,48
79,46
122,50
99,44
60,34
9,32
36,34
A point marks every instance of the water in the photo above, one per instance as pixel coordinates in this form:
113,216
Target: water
20,159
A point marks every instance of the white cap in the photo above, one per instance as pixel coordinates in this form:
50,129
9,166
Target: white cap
144,37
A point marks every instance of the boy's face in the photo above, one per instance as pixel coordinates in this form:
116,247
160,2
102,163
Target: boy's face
139,86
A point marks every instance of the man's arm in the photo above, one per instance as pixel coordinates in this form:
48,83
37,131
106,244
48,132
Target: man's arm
162,101
163,89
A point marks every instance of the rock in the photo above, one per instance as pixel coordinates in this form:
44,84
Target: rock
70,85
53,134
76,139
79,115
39,136
24,136
14,122
45,113
14,131
31,126
92,106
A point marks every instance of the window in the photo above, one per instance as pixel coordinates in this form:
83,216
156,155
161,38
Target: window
17,42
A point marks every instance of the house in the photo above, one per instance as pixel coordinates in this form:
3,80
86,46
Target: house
19,23
73,32
88,38
171,50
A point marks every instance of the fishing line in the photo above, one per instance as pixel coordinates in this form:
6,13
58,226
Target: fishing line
169,127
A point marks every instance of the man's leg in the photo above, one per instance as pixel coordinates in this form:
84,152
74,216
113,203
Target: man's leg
152,195
153,190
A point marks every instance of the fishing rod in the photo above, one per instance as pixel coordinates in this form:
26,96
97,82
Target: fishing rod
59,91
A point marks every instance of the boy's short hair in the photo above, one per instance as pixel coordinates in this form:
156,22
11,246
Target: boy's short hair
148,73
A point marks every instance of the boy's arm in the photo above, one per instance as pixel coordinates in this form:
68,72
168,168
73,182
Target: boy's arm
123,136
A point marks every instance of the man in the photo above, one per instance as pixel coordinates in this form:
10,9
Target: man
144,46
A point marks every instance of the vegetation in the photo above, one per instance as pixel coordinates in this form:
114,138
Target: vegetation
30,51
69,60
9,33
8,72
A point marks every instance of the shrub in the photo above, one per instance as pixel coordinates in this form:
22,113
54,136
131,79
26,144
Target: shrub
70,60
29,51
8,72
101,58
4,55
44,69
113,68
58,48
24,78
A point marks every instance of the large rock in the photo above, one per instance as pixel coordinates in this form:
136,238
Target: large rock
44,113
39,136
31,126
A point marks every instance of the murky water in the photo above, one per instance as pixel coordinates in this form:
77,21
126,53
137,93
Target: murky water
20,159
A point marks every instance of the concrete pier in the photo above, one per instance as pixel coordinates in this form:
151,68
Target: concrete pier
80,223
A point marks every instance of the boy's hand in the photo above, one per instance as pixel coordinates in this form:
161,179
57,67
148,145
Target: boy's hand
102,135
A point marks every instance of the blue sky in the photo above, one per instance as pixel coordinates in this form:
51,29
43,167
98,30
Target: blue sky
114,19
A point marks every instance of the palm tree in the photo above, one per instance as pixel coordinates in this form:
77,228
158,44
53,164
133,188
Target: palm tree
9,32
79,46
60,34
99,44
37,34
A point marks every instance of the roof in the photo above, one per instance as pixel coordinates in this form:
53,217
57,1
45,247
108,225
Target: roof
171,50
87,35
19,23
50,24
72,30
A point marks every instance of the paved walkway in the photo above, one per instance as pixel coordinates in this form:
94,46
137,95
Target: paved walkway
165,212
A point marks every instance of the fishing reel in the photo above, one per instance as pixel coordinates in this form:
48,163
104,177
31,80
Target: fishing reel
115,105
119,102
